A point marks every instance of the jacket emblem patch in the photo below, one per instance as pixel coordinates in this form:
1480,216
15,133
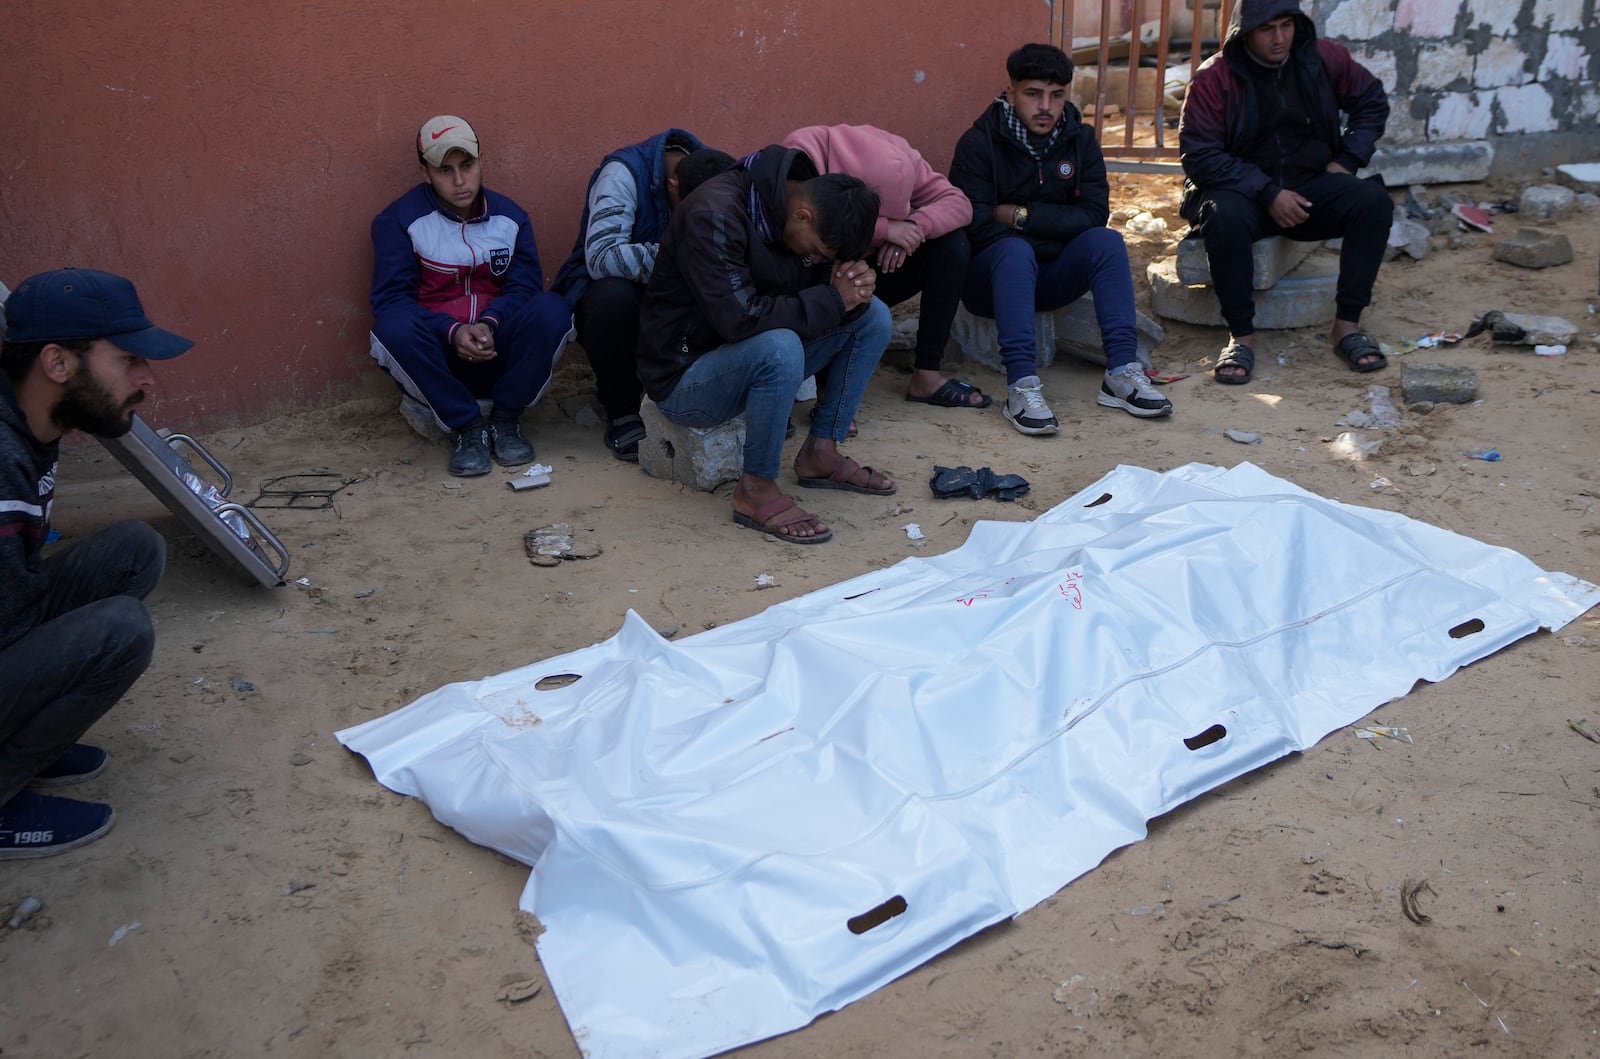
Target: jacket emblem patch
1065,169
499,260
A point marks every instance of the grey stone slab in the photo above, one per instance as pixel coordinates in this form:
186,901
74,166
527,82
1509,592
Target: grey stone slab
1438,383
1303,298
1432,163
1546,202
1271,258
1072,329
700,457
980,341
1580,176
1078,333
1531,248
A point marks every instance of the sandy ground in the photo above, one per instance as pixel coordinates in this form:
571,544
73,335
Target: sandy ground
288,905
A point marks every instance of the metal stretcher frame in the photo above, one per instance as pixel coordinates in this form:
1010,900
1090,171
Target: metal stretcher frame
154,460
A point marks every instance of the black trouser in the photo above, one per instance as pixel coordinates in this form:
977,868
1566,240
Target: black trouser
1341,205
94,641
937,269
608,329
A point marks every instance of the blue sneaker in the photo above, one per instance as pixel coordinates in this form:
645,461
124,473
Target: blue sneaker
80,762
42,825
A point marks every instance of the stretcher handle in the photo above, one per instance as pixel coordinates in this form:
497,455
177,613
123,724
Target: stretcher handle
198,449
261,534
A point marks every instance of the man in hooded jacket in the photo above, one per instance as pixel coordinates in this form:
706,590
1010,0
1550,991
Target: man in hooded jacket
1264,153
1040,202
758,284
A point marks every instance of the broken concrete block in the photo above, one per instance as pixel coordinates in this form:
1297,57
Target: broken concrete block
904,335
1432,163
1580,176
1303,298
1071,329
1546,202
702,457
1078,332
1410,236
1438,383
980,340
1542,330
1271,259
1532,248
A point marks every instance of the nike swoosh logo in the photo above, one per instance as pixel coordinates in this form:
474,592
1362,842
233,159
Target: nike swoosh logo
441,132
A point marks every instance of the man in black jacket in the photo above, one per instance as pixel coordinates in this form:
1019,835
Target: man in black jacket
757,285
1264,153
1040,202
73,633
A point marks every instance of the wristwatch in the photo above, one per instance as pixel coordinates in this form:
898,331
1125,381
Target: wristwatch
1019,217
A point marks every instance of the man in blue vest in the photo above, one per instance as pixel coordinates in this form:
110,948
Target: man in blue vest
630,196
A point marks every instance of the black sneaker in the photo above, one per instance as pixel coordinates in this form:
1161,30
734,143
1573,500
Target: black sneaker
42,825
470,457
80,762
510,448
623,436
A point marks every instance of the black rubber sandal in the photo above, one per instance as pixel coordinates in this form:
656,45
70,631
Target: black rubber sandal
1234,355
1355,348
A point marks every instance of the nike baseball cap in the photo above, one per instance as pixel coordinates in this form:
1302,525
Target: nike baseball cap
443,134
81,303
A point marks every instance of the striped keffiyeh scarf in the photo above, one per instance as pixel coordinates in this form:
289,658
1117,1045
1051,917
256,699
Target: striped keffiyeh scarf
1019,132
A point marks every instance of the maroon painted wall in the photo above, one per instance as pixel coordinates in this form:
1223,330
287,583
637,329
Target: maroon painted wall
229,157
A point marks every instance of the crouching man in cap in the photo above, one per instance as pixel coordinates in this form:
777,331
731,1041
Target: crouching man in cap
74,635
459,302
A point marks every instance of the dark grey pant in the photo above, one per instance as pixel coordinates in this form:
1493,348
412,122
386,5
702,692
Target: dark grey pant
1355,209
94,642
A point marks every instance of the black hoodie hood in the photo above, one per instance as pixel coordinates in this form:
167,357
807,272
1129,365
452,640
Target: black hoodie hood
769,171
1253,14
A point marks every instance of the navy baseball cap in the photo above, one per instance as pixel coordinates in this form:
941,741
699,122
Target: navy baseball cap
82,303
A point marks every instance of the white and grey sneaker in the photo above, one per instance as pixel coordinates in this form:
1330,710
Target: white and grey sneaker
1129,389
1025,407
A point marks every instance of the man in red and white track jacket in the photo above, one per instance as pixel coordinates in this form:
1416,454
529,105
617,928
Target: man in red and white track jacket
460,311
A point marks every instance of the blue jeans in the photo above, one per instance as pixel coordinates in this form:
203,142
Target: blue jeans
1008,282
757,377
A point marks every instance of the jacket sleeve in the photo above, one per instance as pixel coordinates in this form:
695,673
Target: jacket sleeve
1361,96
972,171
524,279
937,206
1202,136
608,246
396,280
22,581
714,266
1065,221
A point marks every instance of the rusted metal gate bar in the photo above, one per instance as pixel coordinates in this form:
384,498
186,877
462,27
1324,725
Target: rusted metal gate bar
1157,154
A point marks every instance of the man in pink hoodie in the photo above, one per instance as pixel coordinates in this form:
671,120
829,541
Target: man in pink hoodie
919,243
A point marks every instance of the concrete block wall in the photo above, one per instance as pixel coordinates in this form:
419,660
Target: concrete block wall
1519,74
